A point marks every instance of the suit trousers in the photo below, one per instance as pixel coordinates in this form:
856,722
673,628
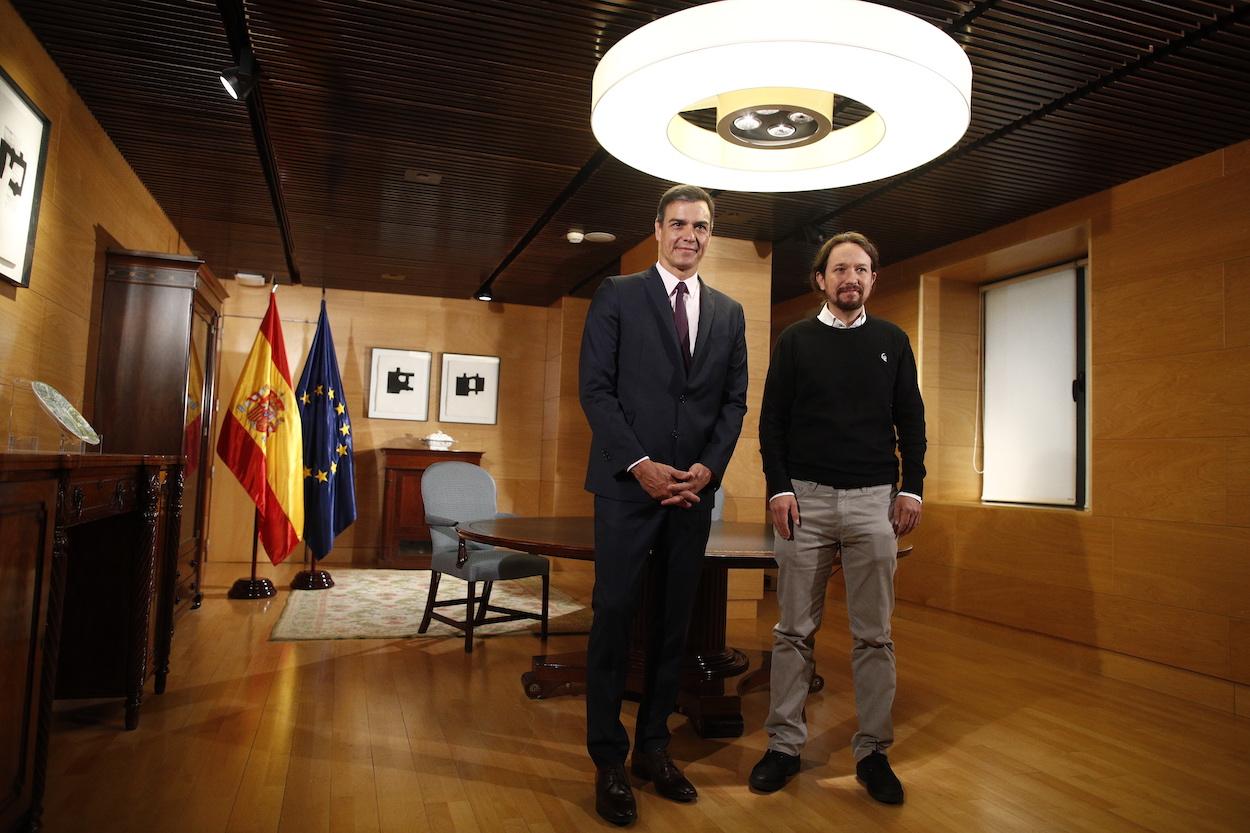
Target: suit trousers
629,538
858,520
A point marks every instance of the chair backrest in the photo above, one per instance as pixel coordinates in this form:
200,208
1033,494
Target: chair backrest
462,492
718,506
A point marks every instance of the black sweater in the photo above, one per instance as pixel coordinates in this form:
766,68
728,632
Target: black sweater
832,404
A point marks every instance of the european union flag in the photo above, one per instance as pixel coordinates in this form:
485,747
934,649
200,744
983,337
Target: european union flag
329,475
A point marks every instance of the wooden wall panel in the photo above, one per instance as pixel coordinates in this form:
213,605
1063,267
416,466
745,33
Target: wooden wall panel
1237,487
1164,480
1174,636
1239,639
91,199
1203,394
1207,222
1237,303
1139,330
1196,566
1158,568
1046,546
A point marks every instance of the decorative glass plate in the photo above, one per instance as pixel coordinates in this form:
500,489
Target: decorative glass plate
58,408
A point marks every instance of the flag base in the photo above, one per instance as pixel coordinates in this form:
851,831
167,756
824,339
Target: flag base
252,588
312,580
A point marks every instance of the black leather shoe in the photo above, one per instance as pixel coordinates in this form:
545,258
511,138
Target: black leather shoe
669,782
614,800
773,770
874,773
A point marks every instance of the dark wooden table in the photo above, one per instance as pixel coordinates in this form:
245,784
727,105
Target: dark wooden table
709,662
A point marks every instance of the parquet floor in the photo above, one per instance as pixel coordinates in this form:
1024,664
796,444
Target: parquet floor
414,735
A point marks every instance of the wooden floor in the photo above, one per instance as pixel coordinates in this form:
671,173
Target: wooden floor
414,735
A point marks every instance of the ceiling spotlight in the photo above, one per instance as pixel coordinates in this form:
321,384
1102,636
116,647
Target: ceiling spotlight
747,122
484,295
253,279
241,80
574,236
599,237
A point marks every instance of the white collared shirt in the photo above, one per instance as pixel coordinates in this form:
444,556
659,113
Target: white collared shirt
693,285
830,320
825,316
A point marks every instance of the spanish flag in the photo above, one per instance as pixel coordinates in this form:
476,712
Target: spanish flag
261,440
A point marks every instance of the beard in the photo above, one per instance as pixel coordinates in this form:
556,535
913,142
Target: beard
843,301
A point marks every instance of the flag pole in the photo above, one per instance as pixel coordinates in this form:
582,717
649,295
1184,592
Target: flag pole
253,588
310,578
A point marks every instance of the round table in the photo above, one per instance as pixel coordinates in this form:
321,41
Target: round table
709,662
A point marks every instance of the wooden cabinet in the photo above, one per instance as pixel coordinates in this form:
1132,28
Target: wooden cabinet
27,509
403,510
156,379
85,598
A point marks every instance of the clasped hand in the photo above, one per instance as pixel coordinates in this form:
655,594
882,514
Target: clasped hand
670,486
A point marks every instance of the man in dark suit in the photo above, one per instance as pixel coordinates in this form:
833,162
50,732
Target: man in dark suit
663,382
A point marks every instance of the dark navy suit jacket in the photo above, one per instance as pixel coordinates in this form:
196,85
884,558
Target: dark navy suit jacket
639,397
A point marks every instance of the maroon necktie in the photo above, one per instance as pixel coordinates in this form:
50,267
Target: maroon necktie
681,322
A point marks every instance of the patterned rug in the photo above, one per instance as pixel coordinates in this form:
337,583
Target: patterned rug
387,604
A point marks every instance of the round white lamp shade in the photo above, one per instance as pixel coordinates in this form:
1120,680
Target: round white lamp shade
914,77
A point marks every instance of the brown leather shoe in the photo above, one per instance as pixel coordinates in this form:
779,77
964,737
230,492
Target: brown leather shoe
669,782
614,799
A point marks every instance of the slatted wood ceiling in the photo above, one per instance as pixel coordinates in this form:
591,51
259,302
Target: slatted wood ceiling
1069,98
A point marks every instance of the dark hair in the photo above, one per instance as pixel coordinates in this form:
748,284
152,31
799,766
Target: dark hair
685,193
822,257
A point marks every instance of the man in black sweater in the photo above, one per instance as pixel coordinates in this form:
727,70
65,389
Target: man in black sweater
841,395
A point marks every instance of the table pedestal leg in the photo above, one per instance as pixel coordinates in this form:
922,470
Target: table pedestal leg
708,663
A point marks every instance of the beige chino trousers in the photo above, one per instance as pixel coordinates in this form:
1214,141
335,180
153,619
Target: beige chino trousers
859,520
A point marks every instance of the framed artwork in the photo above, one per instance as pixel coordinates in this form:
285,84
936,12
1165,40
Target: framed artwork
23,152
470,389
399,385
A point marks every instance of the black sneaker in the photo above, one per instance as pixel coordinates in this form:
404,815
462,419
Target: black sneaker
773,770
874,773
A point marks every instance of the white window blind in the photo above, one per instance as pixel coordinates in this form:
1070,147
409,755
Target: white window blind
1033,389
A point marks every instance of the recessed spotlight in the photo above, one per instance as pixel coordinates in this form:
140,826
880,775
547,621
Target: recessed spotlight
747,122
574,236
423,177
252,279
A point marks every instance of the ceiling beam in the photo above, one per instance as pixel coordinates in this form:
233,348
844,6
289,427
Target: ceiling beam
235,19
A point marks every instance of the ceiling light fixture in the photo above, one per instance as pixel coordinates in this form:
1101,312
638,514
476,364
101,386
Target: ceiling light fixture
770,70
252,279
577,236
484,295
241,80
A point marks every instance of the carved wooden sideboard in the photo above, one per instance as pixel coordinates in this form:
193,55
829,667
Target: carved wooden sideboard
87,551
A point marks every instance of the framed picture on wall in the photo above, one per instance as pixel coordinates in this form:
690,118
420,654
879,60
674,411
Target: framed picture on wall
470,389
399,386
24,133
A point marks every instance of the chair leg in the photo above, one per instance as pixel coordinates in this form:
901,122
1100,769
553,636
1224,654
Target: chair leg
482,604
468,620
546,596
435,575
